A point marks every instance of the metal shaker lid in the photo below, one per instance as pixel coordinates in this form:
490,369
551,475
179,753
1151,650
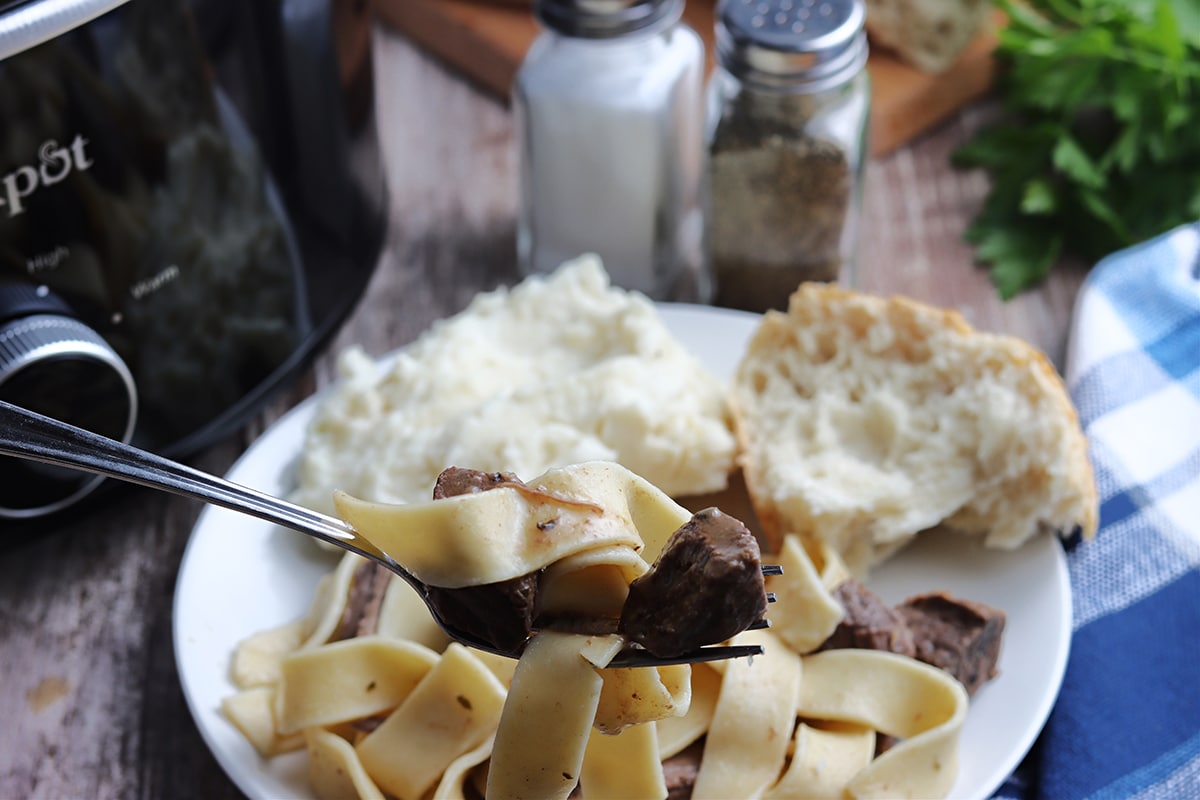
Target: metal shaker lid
605,19
804,45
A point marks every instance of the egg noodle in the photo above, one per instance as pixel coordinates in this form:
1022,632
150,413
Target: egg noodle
402,713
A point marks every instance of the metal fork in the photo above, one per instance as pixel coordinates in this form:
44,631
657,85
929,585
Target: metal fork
28,435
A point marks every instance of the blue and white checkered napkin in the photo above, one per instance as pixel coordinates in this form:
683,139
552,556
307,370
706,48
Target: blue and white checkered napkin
1127,723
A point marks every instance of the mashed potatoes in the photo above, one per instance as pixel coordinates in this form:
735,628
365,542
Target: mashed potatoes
558,370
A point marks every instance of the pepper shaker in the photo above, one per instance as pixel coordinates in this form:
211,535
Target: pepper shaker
789,103
609,116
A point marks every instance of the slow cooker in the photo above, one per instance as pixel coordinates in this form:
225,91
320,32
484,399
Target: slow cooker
190,205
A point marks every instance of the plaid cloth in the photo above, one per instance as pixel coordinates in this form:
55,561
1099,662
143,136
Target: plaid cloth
1127,723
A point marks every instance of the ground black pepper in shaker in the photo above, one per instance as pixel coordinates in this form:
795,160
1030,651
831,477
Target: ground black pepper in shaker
788,109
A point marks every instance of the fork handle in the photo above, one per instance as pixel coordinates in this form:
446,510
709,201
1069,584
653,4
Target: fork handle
28,435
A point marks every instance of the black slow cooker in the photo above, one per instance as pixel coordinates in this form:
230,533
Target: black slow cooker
190,204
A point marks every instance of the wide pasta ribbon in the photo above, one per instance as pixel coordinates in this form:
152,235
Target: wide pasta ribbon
506,532
899,696
824,760
624,766
334,769
561,719
755,713
348,680
454,708
676,733
542,735
801,586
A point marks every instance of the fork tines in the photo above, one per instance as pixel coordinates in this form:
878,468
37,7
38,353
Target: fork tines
637,657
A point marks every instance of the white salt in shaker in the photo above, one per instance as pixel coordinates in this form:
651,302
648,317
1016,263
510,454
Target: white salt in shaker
609,117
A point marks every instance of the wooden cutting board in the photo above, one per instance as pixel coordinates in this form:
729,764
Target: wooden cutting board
487,39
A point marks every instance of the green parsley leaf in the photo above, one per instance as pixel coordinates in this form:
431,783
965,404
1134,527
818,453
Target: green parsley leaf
1039,197
1071,160
1097,147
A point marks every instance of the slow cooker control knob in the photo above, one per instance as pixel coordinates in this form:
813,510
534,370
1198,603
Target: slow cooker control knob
54,364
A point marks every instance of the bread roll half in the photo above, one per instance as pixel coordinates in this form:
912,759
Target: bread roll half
863,421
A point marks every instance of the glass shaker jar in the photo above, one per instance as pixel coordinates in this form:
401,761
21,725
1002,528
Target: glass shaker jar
609,117
789,105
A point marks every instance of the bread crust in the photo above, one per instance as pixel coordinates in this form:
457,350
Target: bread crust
862,420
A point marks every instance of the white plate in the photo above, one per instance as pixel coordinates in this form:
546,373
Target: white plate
240,575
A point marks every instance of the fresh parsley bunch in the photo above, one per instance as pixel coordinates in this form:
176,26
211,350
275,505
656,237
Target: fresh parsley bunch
1099,143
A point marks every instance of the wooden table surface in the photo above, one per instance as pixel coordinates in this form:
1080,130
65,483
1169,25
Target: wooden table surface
90,703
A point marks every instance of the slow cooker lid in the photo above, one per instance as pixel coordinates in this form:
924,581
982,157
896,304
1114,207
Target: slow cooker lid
28,23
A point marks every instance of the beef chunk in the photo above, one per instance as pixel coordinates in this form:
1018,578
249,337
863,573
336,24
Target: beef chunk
360,617
501,613
458,480
704,587
680,770
869,623
959,636
884,742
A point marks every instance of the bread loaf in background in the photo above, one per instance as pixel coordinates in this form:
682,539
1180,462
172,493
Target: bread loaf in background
863,421
929,34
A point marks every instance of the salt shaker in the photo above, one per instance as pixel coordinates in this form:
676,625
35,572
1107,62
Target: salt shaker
609,115
789,103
